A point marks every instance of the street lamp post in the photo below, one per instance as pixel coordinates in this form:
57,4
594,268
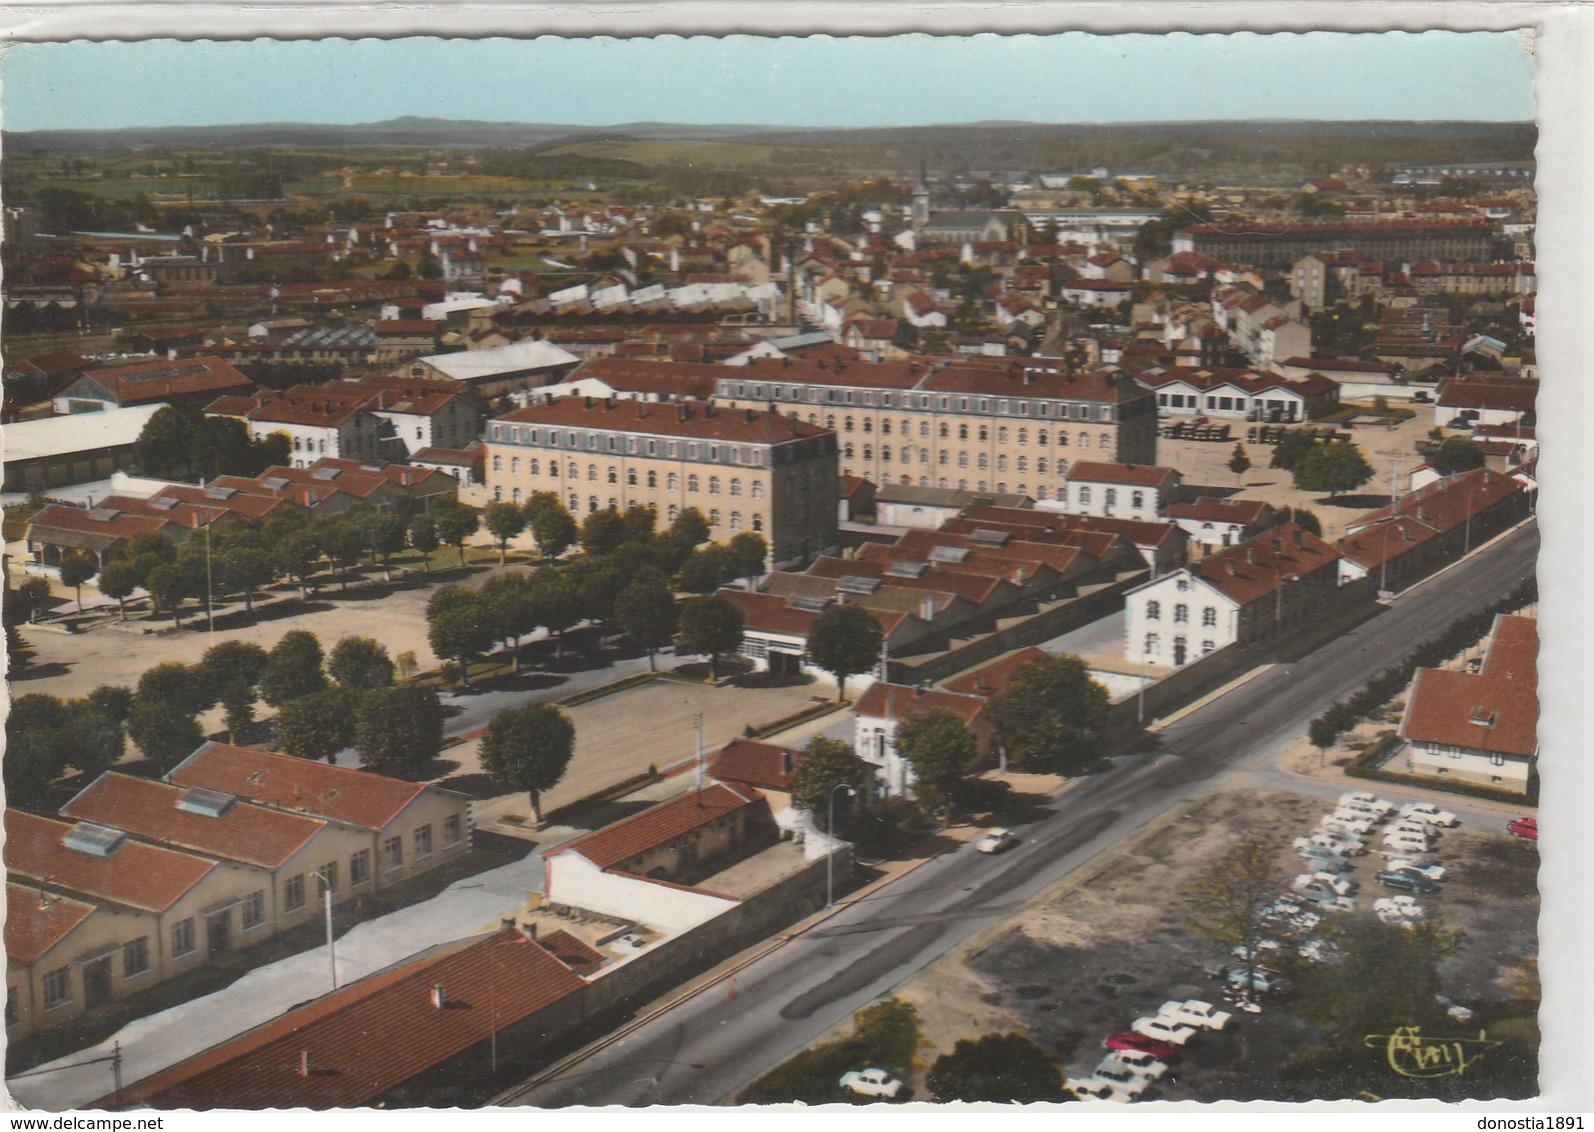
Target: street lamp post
830,854
332,955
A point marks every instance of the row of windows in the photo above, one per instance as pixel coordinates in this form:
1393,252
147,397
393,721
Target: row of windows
633,478
1181,614
964,432
630,445
737,521
1004,406
1043,466
1041,491
1137,499
1153,641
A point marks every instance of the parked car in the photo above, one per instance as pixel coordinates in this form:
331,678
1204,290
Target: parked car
1163,1029
1525,828
1358,798
1262,980
872,1083
1414,826
1194,1012
1408,867
995,840
1122,1064
1354,811
1404,843
1129,1040
1344,844
1101,1089
1405,883
1324,882
1332,823
1430,813
1321,951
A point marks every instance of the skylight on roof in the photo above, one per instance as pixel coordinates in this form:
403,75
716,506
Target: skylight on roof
209,803
95,840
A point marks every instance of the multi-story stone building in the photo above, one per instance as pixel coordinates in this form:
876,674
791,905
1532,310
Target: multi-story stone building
986,425
745,470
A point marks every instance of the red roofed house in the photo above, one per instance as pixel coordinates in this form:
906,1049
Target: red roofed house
1121,491
643,868
197,380
1213,522
1481,727
404,828
45,933
881,710
424,1033
1265,588
157,913
1485,399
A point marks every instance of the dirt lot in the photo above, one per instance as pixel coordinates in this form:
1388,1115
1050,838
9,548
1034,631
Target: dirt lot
1110,945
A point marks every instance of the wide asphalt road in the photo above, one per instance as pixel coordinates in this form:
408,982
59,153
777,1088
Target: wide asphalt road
706,1049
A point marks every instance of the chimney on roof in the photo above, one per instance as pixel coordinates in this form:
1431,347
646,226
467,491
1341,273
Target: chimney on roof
588,401
1234,568
708,409
1250,555
787,763
304,1063
686,411
1278,546
1300,538
752,415
1407,532
610,403
439,999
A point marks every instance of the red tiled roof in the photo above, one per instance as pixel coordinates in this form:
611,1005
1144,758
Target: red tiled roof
896,701
1232,572
1487,392
1436,507
1334,228
804,371
353,797
1134,475
253,835
750,426
1007,377
369,1038
144,382
1249,512
572,952
751,763
318,406
35,924
137,875
404,326
659,825
1480,712
993,677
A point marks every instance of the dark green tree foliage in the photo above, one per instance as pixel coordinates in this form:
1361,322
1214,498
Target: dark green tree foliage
423,537
647,611
512,610
1003,1068
529,749
845,640
317,726
1389,978
360,663
709,568
1334,468
1228,897
558,603
112,700
827,764
503,521
1456,454
1289,452
293,669
458,627
1050,716
711,626
77,567
384,535
34,755
163,731
181,442
455,523
399,730
168,588
602,532
639,523
690,528
1239,461
750,552
296,555
117,581
173,682
343,541
551,524
247,569
232,670
1307,520
941,749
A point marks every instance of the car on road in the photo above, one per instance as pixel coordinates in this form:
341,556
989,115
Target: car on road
1408,867
1163,1029
1404,882
1430,813
872,1083
1525,828
995,840
1129,1040
1121,1065
1194,1012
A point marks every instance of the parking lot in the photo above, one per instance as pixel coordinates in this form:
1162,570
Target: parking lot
1113,943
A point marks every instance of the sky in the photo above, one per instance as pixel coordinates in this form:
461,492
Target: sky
899,80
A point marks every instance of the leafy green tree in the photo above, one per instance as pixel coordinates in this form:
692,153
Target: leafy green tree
35,755
317,726
232,669
1306,520
1389,978
168,588
845,640
342,541
1295,447
690,528
1228,897
503,521
1456,454
711,626
551,524
639,523
399,730
176,683
825,766
941,749
1322,734
709,568
1050,716
512,610
647,611
92,737
455,523
1001,1068
602,532
1239,462
457,627
1334,468
296,556
529,749
77,567
424,538
118,581
112,700
293,669
750,553
359,664
558,604
163,731
33,594
247,568
385,535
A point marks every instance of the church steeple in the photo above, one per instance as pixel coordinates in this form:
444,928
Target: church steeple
921,197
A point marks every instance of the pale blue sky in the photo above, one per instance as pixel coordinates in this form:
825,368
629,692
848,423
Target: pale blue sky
815,81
